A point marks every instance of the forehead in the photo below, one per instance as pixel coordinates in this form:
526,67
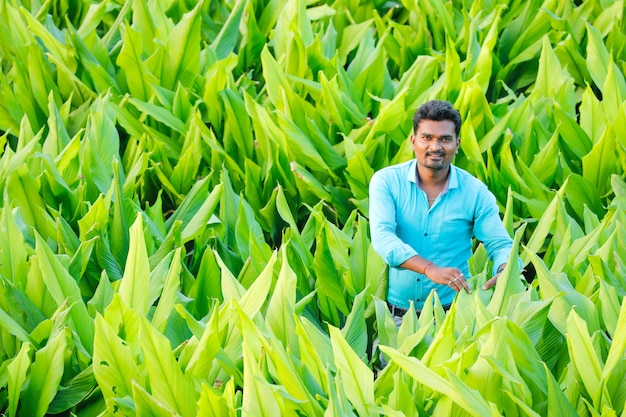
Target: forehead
436,128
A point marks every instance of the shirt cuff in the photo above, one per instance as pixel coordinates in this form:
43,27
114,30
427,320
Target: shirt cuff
399,255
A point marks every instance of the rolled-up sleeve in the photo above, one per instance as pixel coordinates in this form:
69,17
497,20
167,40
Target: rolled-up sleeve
382,212
488,228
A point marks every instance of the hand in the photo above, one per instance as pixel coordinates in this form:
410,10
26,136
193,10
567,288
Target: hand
491,282
453,277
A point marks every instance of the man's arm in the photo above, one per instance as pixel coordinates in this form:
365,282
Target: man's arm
488,228
382,215
441,275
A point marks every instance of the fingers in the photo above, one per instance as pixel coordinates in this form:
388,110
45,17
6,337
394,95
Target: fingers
458,282
490,283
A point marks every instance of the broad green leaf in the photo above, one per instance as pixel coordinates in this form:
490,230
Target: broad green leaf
148,406
226,40
13,253
356,376
557,402
600,163
212,403
543,165
182,61
254,298
17,376
598,57
282,304
328,283
23,193
46,372
57,138
565,298
509,282
614,91
258,396
100,145
169,294
74,391
131,62
209,345
167,382
136,279
455,389
355,329
64,288
584,357
114,366
614,371
159,114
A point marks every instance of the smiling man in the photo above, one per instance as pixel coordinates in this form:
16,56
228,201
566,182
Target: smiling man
425,212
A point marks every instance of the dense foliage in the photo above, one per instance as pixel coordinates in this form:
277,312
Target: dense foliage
183,227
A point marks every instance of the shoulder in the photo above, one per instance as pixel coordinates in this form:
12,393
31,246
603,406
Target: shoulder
467,180
392,177
397,170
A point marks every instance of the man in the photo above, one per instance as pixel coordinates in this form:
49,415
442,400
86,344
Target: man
424,213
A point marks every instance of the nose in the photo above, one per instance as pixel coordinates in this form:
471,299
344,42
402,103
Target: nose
435,144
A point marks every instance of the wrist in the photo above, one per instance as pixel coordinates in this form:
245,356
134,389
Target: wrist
428,265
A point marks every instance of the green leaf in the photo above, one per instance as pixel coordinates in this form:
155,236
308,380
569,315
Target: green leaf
74,391
583,355
131,62
282,304
45,376
598,57
226,40
100,145
158,113
182,61
169,294
148,406
201,360
356,376
114,366
258,395
136,279
17,376
614,371
355,329
64,288
455,389
13,252
252,301
600,163
167,382
557,401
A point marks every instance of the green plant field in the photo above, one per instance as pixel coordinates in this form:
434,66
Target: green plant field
184,217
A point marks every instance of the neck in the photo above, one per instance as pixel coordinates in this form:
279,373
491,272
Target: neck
432,177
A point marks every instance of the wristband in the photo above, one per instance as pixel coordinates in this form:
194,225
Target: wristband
426,267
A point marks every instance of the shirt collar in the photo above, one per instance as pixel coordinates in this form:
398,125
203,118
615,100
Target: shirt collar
453,178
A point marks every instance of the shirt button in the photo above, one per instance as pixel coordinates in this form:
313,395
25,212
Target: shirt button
425,234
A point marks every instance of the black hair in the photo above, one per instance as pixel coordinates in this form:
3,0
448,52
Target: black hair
437,110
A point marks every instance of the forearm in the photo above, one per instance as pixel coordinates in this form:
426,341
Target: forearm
417,264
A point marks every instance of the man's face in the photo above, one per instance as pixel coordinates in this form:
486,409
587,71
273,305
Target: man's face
435,144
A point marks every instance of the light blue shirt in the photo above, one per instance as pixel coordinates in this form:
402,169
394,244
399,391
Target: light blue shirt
403,225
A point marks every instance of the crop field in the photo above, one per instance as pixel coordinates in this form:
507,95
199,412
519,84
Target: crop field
184,216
